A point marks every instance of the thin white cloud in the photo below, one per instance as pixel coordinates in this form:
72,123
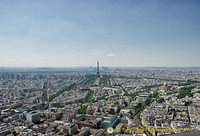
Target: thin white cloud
110,55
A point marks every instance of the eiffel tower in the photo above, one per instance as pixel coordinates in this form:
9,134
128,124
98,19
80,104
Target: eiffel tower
98,74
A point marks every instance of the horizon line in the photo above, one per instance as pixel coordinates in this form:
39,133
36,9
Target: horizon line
100,66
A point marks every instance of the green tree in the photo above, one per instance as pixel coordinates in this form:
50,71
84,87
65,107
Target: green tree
161,100
188,103
1,119
112,111
186,92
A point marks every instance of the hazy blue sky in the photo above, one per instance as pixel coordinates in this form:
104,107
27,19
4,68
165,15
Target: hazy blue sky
62,33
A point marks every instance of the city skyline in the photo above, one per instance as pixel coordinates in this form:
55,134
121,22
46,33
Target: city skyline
116,33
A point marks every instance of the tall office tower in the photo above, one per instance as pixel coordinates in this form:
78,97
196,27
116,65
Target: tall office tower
98,74
44,96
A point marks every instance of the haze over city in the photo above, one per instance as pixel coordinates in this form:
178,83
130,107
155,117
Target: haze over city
99,67
131,33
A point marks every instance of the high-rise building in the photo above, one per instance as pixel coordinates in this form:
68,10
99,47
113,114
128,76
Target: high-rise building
98,74
33,116
44,96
